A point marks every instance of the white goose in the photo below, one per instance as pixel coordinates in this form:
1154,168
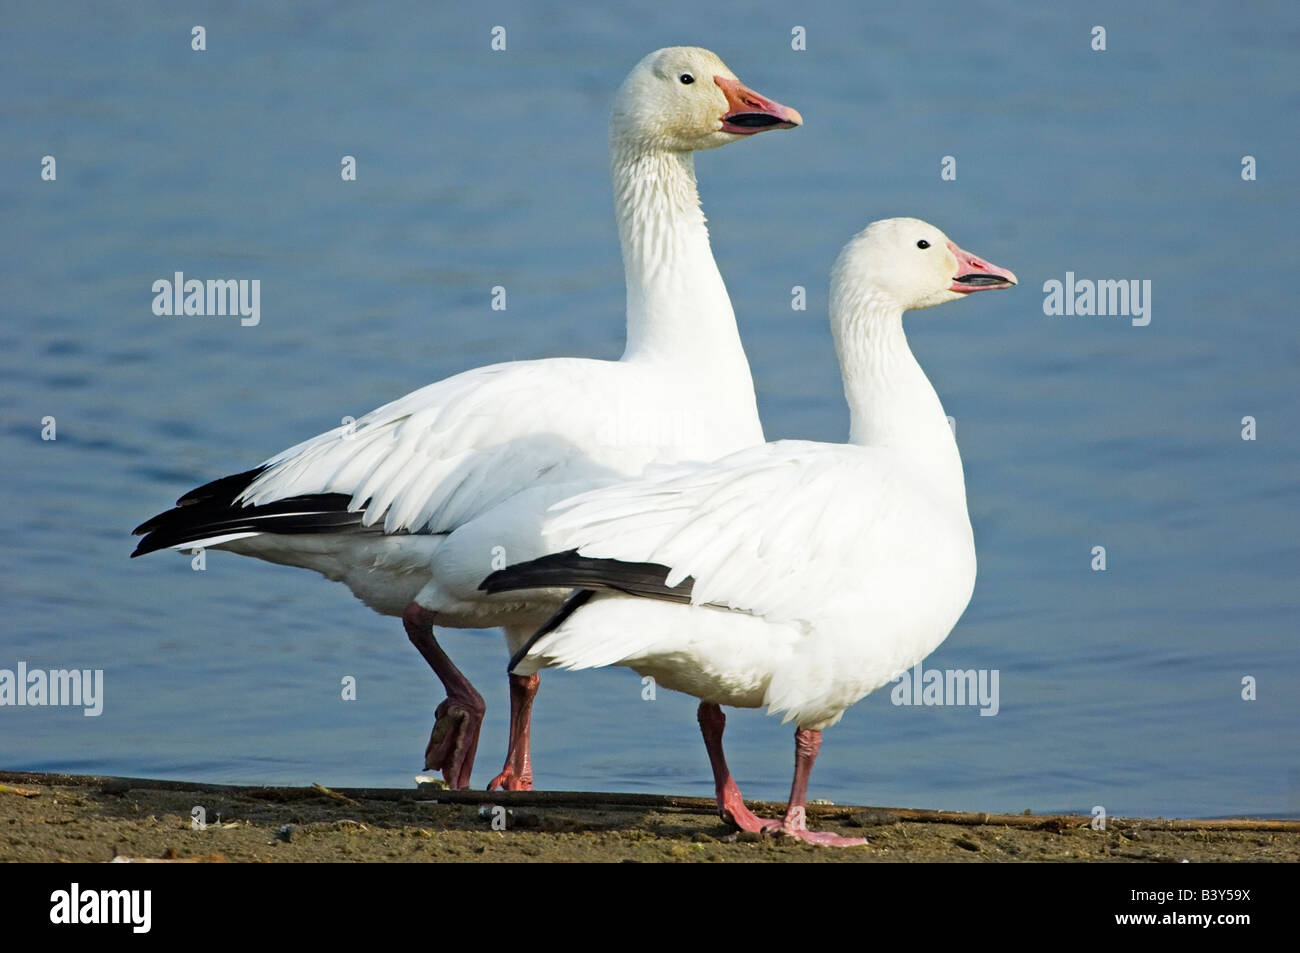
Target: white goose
411,506
794,575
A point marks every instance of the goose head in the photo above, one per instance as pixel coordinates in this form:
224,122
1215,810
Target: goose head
914,264
683,98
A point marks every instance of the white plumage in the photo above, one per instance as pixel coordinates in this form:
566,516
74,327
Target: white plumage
457,475
838,549
818,571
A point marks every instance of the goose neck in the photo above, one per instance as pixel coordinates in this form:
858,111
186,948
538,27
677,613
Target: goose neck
677,304
891,401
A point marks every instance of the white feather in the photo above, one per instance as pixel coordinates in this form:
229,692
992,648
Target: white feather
472,462
820,570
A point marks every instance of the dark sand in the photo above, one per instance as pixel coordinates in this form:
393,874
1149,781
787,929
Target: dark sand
73,818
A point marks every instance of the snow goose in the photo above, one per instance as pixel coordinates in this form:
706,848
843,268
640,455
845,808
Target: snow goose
793,575
410,506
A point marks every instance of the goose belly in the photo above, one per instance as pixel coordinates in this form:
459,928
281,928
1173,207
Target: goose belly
384,572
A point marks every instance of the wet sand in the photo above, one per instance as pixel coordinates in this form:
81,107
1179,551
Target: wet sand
47,817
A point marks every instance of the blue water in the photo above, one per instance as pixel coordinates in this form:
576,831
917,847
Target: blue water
1120,688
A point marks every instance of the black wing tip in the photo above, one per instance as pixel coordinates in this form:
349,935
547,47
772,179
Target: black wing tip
224,488
569,570
149,530
529,575
152,545
153,542
212,510
213,496
294,516
148,525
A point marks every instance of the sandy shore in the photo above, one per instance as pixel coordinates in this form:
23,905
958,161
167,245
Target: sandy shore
75,818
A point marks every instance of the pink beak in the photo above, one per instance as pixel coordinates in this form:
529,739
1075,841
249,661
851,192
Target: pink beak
748,112
976,274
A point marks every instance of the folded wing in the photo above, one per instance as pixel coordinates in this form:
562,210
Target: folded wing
425,463
781,530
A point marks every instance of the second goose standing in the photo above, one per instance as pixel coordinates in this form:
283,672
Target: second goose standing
794,576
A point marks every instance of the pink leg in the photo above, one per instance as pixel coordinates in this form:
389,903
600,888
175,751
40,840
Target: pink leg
806,745
454,739
731,807
517,775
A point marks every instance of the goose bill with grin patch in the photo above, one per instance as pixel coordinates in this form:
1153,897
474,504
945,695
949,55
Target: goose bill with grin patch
976,274
748,112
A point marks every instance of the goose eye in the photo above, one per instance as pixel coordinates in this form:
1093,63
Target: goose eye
922,244
686,79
